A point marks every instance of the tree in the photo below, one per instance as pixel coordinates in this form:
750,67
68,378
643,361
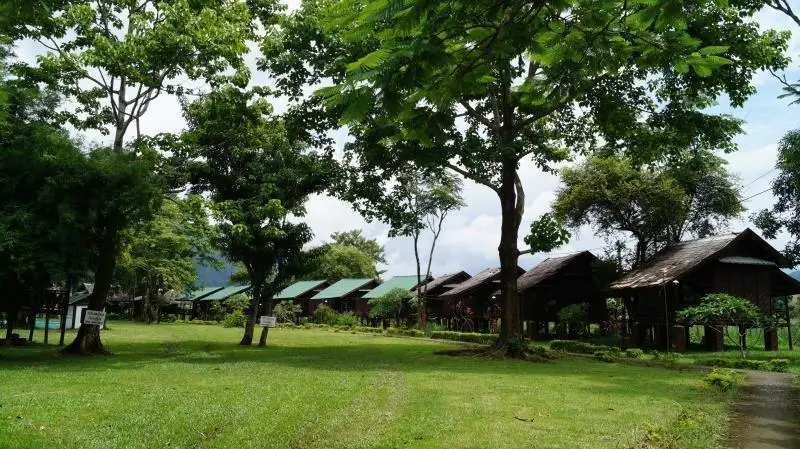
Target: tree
718,310
656,204
286,311
335,261
159,255
479,88
356,239
391,304
111,60
546,234
257,178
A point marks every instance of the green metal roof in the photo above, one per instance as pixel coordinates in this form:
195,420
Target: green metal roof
297,289
341,288
227,292
404,282
194,295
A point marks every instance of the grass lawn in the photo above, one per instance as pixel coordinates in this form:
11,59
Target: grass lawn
191,386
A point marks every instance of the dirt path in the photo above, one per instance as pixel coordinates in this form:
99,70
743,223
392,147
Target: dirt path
766,413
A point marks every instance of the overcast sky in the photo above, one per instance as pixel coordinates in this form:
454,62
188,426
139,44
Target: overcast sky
470,236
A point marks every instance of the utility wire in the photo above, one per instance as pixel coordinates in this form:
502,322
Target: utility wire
759,193
761,176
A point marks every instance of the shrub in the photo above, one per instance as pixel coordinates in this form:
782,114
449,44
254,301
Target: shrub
574,317
778,365
323,314
723,379
469,337
345,319
405,332
234,319
289,325
604,356
634,353
368,330
579,347
542,352
203,322
285,311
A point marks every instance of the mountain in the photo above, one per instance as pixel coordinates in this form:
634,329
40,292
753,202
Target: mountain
211,277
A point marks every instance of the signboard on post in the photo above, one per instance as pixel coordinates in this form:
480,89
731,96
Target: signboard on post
95,317
268,321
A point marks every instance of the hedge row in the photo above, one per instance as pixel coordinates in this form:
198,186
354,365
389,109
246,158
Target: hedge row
775,365
469,337
580,347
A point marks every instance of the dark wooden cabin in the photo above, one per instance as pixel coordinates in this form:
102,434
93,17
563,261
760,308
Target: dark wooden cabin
741,264
345,295
301,293
473,303
437,306
558,282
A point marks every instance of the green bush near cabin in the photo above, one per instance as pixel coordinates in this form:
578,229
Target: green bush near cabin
774,365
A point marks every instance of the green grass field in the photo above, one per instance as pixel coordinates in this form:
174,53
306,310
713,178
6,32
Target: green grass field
189,386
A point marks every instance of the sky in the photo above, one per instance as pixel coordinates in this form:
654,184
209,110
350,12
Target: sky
470,236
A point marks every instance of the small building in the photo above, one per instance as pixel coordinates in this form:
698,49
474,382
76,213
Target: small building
78,303
558,282
741,264
345,295
205,300
301,293
437,309
472,305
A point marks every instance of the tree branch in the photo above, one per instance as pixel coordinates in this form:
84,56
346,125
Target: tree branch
479,179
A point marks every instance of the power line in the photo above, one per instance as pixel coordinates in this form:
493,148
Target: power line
759,193
761,176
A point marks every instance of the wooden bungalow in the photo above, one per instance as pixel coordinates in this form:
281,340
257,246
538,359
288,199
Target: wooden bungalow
218,295
558,282
741,264
437,307
345,295
301,293
472,304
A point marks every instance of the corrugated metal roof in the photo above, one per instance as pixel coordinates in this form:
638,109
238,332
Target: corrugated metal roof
342,288
545,269
298,288
678,259
404,282
227,292
201,293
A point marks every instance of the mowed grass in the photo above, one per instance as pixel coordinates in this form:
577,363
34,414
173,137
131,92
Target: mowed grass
190,386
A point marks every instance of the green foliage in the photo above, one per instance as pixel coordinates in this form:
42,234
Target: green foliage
775,365
634,353
239,302
391,305
286,311
576,316
546,234
718,309
324,314
469,337
234,319
345,319
405,332
605,356
722,379
356,239
336,261
579,347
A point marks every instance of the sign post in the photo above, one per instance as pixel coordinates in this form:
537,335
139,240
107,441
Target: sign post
268,321
95,317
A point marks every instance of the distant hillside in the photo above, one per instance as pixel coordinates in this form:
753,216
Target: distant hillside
211,277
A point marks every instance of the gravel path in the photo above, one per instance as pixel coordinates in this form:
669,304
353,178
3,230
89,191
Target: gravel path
766,413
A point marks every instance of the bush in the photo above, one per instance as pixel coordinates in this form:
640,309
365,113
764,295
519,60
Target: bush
604,356
234,319
368,330
203,322
285,311
405,332
778,365
723,379
634,353
469,337
323,314
579,347
542,352
345,319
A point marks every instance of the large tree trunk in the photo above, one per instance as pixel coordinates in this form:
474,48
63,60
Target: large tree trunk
247,338
420,298
87,341
510,338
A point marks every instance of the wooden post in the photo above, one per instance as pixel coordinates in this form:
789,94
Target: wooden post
789,328
771,339
64,307
32,317
46,319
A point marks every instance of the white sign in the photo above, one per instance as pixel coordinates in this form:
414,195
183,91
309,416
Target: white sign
268,321
96,317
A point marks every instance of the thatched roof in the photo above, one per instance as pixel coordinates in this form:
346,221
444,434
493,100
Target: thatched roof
445,279
486,276
546,269
679,259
